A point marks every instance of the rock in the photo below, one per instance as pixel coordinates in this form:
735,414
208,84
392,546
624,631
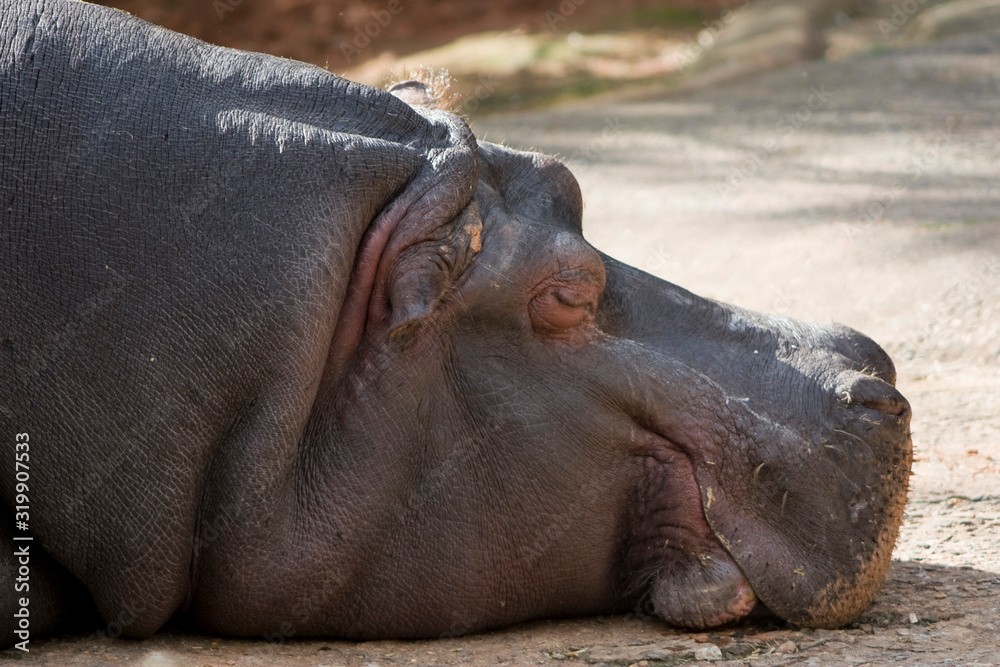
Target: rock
709,653
787,648
658,654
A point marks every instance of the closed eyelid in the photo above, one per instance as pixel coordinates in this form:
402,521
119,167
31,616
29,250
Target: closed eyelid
566,301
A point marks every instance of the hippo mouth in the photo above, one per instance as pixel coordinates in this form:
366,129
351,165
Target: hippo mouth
717,594
696,582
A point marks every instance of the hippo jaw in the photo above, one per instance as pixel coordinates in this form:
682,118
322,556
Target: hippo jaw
829,570
694,580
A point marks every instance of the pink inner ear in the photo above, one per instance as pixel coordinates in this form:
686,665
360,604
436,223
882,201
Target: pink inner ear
427,202
354,313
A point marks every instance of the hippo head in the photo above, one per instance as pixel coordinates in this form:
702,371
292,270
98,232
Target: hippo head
548,431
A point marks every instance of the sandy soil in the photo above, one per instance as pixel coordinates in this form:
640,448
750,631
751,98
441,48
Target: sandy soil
877,206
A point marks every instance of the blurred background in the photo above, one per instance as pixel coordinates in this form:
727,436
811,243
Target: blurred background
519,53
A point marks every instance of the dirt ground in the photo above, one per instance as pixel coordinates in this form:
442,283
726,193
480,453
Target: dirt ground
865,191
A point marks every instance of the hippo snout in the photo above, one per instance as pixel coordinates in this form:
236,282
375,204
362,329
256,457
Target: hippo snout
798,444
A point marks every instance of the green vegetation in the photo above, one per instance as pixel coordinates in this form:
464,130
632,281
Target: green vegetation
947,225
682,18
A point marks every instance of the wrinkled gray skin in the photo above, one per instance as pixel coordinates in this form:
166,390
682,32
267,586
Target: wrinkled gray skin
298,358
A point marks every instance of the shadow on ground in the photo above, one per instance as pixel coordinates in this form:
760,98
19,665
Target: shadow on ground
923,611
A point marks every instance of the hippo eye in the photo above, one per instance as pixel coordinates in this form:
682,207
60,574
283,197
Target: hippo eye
565,301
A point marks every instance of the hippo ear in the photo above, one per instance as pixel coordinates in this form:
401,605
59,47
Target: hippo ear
424,272
414,93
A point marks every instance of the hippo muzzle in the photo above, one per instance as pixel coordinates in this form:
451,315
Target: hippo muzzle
787,438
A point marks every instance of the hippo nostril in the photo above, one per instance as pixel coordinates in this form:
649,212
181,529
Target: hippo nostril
860,389
888,405
873,359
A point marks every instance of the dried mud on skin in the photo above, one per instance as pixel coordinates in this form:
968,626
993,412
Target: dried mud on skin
923,279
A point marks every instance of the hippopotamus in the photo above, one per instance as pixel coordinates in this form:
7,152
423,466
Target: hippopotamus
283,355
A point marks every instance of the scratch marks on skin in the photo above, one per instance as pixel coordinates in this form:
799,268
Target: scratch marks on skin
709,498
692,375
760,418
856,507
263,128
738,324
851,435
501,264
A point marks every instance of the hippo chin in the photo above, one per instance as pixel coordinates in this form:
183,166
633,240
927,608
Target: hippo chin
290,356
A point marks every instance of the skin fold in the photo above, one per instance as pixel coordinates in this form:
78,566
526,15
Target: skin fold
299,357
